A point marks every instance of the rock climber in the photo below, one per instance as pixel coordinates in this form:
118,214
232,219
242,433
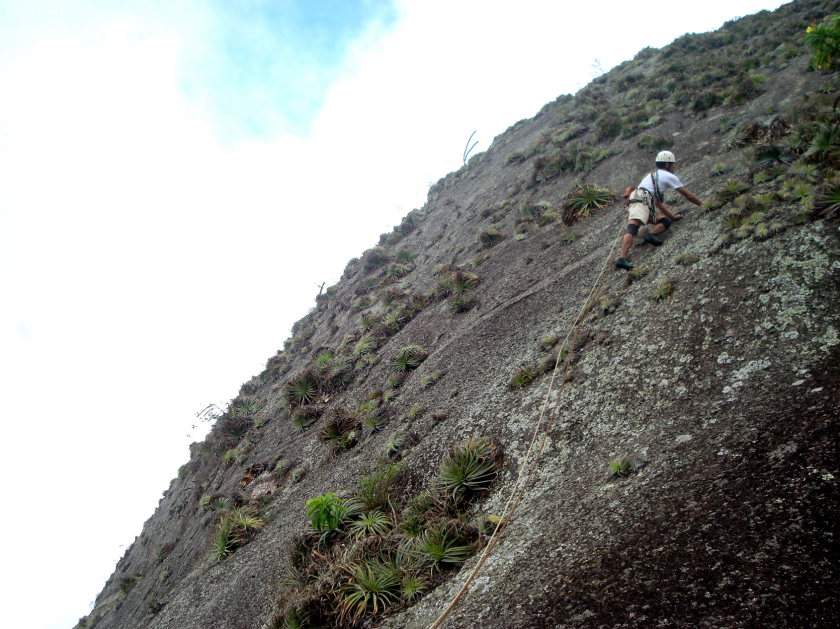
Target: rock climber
646,205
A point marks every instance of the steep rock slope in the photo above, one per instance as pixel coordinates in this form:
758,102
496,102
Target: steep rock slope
714,374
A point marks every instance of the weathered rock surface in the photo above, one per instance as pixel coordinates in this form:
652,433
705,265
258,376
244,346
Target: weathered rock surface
728,391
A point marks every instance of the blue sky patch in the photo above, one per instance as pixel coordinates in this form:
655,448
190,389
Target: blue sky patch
266,66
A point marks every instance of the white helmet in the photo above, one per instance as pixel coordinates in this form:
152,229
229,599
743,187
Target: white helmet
665,156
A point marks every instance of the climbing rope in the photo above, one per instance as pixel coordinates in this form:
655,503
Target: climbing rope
511,504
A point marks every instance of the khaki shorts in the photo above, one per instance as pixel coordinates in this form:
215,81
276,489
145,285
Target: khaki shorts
640,211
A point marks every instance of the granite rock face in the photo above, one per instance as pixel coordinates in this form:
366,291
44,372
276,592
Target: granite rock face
715,374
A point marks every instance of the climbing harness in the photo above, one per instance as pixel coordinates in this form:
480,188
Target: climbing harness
516,495
650,197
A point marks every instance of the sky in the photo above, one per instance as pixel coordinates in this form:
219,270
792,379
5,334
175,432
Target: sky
178,178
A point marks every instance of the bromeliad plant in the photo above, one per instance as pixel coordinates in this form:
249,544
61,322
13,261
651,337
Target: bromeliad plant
583,199
466,470
234,529
370,587
384,559
429,380
373,523
408,358
442,547
826,202
302,389
340,432
522,377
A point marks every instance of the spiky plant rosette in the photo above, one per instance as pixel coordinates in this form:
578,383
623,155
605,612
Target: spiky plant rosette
236,427
413,587
464,282
245,519
731,190
404,255
489,237
462,303
429,380
442,547
370,587
408,358
340,432
585,198
220,503
226,538
522,377
364,345
394,443
247,405
467,469
398,270
374,523
375,258
393,320
302,389
302,419
826,202
373,420
340,369
825,145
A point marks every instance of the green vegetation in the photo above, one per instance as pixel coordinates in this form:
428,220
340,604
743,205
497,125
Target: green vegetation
687,259
583,199
622,466
340,431
325,512
442,546
573,157
824,40
126,584
462,303
731,190
302,419
247,405
663,290
373,486
429,380
302,389
392,546
826,202
548,342
489,237
408,358
235,528
654,144
373,419
220,503
374,552
374,523
607,304
233,455
282,468
370,587
364,345
467,469
522,377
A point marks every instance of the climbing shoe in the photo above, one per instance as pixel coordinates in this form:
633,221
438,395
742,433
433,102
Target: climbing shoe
622,263
653,240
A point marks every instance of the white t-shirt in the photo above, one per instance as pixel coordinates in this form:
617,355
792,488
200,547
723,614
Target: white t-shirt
667,181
